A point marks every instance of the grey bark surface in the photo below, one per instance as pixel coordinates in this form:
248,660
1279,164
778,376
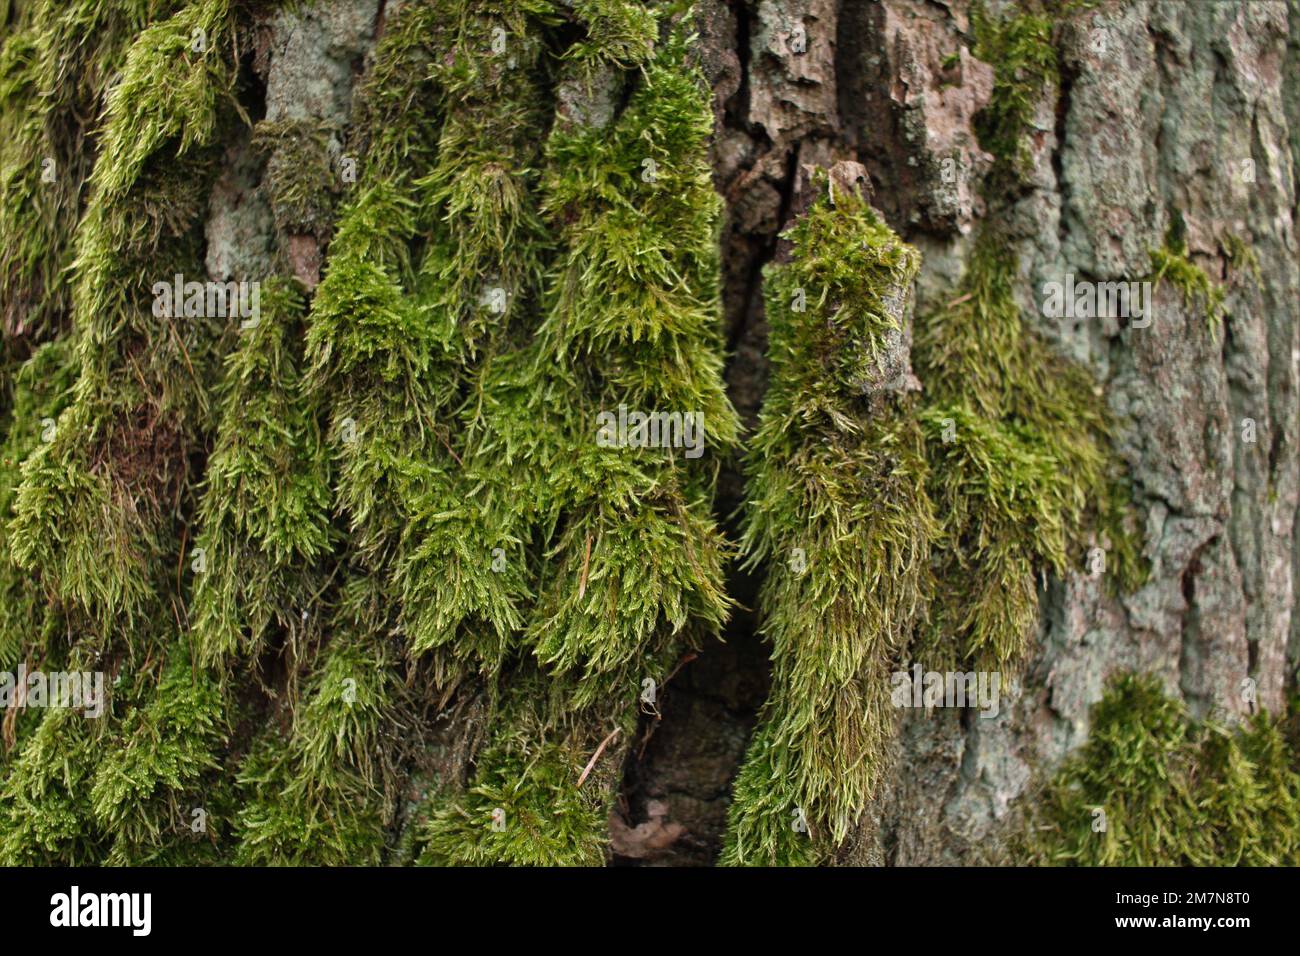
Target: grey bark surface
1164,119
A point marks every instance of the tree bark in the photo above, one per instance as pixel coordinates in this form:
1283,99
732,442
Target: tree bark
1168,115
1162,107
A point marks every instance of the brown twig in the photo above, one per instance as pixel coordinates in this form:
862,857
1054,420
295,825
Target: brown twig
447,445
652,726
596,756
180,564
686,659
586,562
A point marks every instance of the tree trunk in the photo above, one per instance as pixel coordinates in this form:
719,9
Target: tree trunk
324,563
1162,109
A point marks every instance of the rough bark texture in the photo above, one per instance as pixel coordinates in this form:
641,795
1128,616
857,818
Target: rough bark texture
1164,108
1164,118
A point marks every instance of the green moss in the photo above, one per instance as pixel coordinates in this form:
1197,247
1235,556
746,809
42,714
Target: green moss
280,825
46,817
464,574
263,514
1243,262
619,33
626,560
837,508
95,563
162,766
853,273
33,232
461,567
369,345
42,387
893,534
94,527
767,824
1019,439
382,363
1172,264
300,177
1020,464
321,791
450,502
55,67
97,532
1021,50
530,802
632,318
1172,791
45,811
390,137
168,91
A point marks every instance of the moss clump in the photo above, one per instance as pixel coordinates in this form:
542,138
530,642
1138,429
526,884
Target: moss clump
398,322
462,567
1025,66
90,513
1243,262
46,817
1173,791
321,791
105,490
766,823
263,514
484,261
1172,264
1018,440
162,765
33,189
56,63
169,90
121,784
619,33
536,798
892,533
379,361
300,175
627,566
851,273
631,319
280,824
42,388
837,506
